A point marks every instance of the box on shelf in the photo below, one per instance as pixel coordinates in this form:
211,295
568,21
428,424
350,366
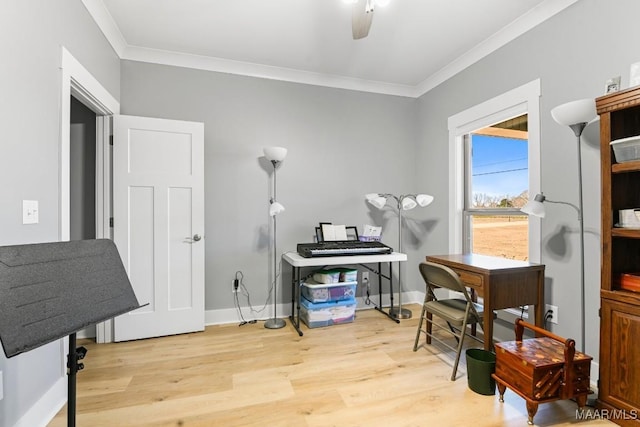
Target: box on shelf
629,218
626,149
336,275
629,281
327,313
324,292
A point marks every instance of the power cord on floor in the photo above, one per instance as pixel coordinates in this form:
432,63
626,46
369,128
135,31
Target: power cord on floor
241,288
238,285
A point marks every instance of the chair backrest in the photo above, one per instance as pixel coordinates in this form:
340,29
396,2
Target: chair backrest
441,276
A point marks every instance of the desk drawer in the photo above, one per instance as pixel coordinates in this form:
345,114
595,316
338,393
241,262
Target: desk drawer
473,280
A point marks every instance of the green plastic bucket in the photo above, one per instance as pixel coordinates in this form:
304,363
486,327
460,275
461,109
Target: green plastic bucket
480,365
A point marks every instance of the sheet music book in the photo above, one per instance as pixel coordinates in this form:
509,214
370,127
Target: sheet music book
334,232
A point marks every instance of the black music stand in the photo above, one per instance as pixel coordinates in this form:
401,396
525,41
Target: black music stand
52,290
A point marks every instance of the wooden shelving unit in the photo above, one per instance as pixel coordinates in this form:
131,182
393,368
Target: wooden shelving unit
619,379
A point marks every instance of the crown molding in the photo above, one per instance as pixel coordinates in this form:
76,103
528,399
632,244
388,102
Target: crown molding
107,25
221,65
534,17
518,27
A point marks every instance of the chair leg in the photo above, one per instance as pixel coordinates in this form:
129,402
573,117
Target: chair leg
415,345
458,351
453,331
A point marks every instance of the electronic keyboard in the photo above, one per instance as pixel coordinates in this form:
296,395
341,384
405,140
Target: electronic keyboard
341,248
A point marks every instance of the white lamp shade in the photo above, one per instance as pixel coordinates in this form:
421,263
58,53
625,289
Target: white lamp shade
424,199
378,201
574,112
276,154
275,209
408,203
371,196
535,207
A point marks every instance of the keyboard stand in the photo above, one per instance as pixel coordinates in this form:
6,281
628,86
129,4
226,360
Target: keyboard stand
298,262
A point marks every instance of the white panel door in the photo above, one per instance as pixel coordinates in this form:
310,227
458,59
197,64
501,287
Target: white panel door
158,210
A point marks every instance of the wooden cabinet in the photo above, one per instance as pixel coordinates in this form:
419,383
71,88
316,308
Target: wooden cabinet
619,382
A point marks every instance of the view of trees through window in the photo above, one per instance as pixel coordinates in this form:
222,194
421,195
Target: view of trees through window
497,187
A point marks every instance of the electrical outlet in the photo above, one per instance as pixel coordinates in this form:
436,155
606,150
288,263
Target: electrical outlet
551,310
365,277
234,288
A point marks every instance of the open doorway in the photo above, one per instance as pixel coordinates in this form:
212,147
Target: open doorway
82,177
80,87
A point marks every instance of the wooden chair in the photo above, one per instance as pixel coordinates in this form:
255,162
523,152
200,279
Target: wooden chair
542,369
457,312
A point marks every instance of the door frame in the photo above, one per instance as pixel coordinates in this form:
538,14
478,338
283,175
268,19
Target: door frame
79,82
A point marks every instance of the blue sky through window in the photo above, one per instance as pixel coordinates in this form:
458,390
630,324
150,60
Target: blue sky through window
499,166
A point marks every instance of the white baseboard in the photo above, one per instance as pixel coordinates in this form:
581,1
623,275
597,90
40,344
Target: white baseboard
43,411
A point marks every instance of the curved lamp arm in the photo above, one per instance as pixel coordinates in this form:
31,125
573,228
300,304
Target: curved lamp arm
535,207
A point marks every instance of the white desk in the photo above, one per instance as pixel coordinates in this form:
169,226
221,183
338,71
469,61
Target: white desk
298,262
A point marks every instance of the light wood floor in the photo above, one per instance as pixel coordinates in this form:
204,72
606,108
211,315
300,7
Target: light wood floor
359,374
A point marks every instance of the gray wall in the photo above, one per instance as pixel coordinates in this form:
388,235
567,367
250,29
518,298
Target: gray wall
342,145
573,54
31,36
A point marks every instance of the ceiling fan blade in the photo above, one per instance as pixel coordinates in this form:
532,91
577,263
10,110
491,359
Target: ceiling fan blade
361,18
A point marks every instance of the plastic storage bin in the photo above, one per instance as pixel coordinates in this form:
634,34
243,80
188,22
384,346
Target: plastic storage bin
626,149
324,292
326,276
336,275
327,313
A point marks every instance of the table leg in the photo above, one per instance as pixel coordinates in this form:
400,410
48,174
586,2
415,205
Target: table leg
295,299
293,293
390,288
379,306
487,328
539,310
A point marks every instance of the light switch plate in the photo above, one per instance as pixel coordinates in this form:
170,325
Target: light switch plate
29,211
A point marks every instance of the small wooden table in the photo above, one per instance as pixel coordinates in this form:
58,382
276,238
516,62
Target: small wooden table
502,283
543,369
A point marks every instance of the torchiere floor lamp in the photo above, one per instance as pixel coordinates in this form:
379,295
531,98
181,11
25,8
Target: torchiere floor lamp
275,155
576,115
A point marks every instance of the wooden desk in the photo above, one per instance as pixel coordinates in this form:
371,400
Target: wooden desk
502,283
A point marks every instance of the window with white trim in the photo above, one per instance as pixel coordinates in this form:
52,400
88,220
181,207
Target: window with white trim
496,186
523,101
